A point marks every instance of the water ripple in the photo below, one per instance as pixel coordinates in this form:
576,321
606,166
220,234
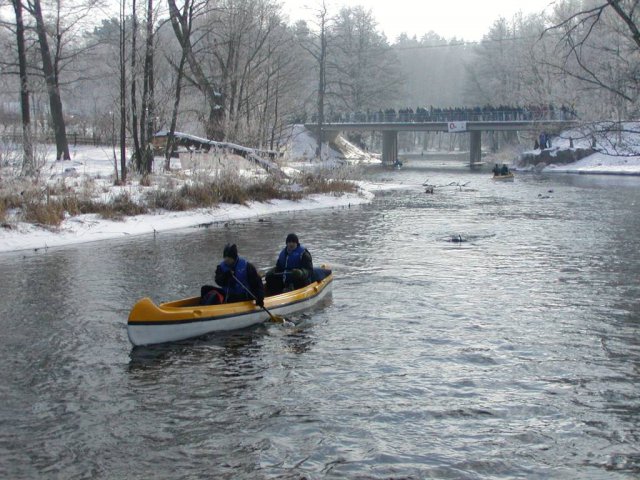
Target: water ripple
514,354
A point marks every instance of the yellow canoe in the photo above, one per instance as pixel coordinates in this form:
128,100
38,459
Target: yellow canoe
150,324
505,178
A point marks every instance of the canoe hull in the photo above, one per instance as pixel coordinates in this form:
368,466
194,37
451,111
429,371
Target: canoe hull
504,178
150,324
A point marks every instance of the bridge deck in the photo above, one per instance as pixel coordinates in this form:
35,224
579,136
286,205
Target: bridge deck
472,126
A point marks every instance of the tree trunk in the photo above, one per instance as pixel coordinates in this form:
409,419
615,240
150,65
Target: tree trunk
137,153
168,150
322,60
51,79
146,120
275,114
123,95
181,24
28,162
265,111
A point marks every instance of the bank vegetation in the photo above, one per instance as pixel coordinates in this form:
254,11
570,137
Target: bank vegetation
48,202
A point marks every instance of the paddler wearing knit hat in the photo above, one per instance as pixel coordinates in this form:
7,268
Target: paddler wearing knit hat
238,278
293,270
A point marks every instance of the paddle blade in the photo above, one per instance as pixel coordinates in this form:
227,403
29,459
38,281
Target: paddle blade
277,318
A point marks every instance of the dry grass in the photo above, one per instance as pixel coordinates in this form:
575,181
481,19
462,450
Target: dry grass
9,201
49,205
3,210
41,207
121,206
145,180
229,191
50,214
210,193
270,189
166,200
319,183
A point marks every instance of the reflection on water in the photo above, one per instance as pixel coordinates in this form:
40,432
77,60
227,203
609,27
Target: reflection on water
225,344
512,354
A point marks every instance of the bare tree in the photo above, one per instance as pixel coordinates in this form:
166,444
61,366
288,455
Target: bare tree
316,44
242,57
28,162
187,13
207,84
51,76
363,68
122,57
147,119
281,84
137,144
142,120
599,46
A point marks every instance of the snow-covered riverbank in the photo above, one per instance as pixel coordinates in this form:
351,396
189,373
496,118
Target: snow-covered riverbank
90,228
96,165
616,153
93,167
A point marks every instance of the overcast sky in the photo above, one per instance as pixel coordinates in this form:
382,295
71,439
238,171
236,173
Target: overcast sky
468,19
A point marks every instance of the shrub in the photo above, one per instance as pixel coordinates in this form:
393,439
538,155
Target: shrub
3,210
318,183
167,200
9,201
120,206
230,191
49,213
72,205
270,189
199,194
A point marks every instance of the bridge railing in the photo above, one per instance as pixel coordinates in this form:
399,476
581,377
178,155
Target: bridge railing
455,115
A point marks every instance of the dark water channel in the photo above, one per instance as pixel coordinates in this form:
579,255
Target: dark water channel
514,354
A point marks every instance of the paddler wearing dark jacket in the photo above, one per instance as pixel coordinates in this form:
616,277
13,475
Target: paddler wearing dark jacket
246,278
294,267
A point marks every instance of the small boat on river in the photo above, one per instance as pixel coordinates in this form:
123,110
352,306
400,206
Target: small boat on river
150,324
508,177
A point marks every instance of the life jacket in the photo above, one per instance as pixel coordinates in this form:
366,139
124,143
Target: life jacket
240,272
288,261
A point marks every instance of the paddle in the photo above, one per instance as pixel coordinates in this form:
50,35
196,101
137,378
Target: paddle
274,318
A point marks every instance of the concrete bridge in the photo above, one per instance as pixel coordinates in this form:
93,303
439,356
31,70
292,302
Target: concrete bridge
473,128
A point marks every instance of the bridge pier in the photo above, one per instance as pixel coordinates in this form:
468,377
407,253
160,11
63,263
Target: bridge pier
475,147
389,146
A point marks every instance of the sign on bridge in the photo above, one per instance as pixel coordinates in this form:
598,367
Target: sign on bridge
457,127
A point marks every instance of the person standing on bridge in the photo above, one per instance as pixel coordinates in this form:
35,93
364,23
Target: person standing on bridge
543,141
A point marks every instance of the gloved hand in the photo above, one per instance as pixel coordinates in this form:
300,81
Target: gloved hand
297,274
260,302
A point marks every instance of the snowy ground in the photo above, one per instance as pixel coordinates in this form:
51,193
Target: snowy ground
89,228
619,155
96,166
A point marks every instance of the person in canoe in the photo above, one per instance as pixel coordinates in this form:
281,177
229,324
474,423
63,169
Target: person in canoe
239,280
293,270
504,170
496,170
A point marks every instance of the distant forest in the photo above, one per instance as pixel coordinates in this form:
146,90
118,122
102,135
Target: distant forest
239,71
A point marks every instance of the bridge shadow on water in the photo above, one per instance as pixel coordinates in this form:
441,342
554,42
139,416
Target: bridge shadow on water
443,161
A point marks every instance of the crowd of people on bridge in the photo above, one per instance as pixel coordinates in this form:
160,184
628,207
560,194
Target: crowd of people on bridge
435,114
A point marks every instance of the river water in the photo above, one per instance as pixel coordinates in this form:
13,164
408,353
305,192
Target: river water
512,354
